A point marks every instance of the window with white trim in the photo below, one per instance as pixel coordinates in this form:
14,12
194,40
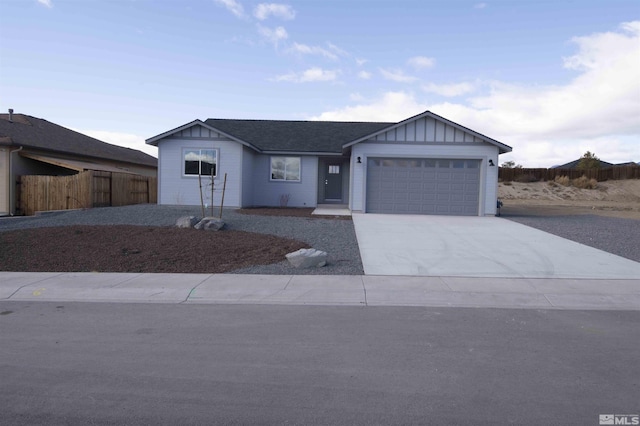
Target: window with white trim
200,161
285,169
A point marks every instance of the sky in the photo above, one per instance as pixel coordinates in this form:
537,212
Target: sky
551,79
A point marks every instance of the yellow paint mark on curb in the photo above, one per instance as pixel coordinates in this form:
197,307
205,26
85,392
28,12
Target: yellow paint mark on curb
38,292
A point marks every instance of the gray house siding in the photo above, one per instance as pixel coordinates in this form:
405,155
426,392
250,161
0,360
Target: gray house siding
178,189
248,179
4,181
301,194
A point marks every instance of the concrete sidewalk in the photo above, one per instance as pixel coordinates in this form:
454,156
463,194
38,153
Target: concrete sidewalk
348,290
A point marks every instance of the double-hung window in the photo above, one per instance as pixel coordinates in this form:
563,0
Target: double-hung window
200,161
285,169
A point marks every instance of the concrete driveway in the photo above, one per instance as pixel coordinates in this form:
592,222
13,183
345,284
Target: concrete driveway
477,247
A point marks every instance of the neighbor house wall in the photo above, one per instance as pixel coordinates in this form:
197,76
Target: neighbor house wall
269,193
176,189
479,151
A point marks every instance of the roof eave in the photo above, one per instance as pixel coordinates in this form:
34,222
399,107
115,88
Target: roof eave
154,140
317,153
54,152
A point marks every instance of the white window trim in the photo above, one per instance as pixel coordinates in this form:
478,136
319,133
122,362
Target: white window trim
285,173
184,150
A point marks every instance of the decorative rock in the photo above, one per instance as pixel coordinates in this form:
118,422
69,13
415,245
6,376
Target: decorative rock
210,224
186,221
307,258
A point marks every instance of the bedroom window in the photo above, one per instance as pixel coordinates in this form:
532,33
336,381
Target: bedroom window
200,161
285,169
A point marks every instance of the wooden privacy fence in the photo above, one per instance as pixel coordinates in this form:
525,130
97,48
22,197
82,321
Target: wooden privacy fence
610,173
90,188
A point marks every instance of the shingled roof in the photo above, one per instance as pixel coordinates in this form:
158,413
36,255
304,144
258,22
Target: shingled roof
296,136
574,165
36,133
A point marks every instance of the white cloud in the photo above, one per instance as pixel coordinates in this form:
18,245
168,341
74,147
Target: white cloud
312,50
421,62
361,62
397,75
232,6
449,90
480,6
546,125
273,35
282,11
392,106
364,75
127,140
46,3
310,75
356,97
338,51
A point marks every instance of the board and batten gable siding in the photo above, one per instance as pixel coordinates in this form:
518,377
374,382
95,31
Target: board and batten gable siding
479,151
301,194
426,130
177,189
198,132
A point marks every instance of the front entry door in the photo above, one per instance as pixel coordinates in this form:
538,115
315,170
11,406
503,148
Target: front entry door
333,182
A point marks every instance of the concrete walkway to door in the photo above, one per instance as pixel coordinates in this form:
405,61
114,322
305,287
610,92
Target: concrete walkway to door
454,246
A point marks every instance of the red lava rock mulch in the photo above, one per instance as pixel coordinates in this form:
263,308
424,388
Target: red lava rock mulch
126,248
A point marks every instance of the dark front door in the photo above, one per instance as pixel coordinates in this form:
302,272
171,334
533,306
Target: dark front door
333,182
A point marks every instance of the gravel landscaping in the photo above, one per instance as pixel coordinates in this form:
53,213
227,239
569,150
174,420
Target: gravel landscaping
335,236
614,235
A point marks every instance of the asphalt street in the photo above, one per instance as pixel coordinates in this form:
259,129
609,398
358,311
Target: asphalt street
138,364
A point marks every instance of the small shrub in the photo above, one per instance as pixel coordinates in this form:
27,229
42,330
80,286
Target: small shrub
562,180
509,183
552,183
526,178
584,182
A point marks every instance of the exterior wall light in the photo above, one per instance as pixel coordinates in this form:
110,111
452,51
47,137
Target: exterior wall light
491,163
359,160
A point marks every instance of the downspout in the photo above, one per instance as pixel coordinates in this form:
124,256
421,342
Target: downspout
12,186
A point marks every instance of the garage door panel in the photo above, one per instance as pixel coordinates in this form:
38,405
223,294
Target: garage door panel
423,186
429,175
386,185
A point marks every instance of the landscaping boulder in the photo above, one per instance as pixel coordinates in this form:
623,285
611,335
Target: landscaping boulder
186,221
210,224
307,258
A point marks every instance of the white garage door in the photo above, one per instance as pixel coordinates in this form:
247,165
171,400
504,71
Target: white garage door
423,186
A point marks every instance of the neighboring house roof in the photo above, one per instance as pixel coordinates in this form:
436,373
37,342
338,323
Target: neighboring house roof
36,133
603,165
308,136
